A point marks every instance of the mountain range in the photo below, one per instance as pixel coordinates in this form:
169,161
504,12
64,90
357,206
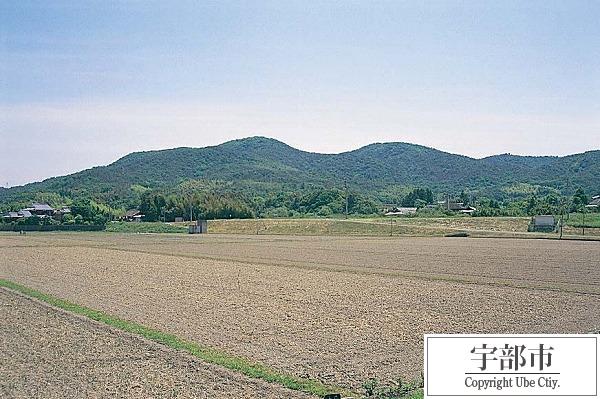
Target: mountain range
265,164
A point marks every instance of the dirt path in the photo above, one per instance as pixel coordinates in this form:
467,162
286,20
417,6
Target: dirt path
48,353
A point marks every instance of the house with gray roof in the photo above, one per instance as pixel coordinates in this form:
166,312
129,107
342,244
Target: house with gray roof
40,209
595,202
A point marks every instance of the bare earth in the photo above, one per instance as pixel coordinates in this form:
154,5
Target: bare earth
339,309
48,353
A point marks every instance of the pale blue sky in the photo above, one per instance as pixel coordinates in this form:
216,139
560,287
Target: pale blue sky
83,83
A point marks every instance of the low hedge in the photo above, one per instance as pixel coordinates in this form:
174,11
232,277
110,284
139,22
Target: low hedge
52,227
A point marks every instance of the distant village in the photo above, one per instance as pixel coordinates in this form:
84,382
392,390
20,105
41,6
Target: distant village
448,205
45,211
40,210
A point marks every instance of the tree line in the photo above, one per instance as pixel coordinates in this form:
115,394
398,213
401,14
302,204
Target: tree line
201,202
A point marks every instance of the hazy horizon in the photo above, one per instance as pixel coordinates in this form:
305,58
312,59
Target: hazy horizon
83,84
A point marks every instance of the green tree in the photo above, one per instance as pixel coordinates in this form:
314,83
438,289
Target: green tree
531,207
423,194
68,219
88,211
579,200
152,205
83,207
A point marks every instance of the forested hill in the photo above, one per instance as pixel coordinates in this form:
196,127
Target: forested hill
264,164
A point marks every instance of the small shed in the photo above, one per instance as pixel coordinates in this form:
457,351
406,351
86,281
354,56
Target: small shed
201,227
544,223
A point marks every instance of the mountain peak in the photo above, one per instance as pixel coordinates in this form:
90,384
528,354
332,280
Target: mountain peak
254,142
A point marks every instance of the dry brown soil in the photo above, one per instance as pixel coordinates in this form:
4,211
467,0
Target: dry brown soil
48,353
339,309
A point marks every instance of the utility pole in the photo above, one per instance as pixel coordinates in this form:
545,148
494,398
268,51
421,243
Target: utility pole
391,226
583,223
346,188
560,226
562,212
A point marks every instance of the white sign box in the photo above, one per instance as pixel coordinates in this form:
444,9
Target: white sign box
511,365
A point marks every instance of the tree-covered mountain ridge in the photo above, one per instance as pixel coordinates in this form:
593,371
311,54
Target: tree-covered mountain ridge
265,164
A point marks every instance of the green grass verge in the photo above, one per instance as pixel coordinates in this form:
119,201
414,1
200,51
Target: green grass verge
144,227
244,366
588,219
417,395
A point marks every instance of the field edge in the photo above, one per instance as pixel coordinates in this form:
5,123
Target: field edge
209,355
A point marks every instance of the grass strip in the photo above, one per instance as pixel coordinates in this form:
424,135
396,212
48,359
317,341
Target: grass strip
244,366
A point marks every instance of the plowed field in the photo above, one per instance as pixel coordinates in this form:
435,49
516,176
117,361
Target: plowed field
339,309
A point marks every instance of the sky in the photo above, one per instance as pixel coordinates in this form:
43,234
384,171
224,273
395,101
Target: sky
84,83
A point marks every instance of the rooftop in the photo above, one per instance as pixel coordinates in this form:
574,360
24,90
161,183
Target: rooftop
41,207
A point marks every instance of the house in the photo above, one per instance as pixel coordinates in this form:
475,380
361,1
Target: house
594,203
133,215
14,216
25,213
544,223
458,207
400,211
11,216
40,209
60,213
